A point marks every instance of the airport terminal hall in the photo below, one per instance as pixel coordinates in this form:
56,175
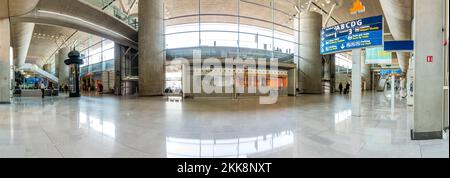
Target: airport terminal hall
224,79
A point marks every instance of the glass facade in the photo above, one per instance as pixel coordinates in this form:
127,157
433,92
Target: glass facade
343,63
99,56
233,25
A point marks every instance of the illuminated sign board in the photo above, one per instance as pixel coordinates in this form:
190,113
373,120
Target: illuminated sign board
378,55
386,72
355,34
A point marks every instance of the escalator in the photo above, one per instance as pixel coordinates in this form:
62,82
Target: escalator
35,69
381,85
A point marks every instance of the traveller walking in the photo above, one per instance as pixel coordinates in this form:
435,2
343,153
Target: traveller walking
347,88
42,86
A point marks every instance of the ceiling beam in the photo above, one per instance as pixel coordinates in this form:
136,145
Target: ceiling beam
123,5
329,15
133,5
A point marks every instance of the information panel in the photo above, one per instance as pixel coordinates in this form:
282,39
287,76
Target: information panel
377,55
386,72
355,34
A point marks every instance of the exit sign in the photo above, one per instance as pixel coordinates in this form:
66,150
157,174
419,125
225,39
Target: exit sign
429,59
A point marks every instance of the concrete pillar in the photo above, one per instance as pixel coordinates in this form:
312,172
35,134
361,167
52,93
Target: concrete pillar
356,83
329,71
297,49
56,58
310,57
446,106
62,70
429,77
118,58
292,81
23,32
151,48
327,68
5,62
398,16
366,73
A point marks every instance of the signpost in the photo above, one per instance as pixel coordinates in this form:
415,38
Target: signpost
355,34
378,55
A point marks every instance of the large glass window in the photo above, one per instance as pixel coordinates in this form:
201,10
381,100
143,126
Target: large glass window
249,29
233,23
99,55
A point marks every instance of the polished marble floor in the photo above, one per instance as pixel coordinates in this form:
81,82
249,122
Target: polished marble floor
304,126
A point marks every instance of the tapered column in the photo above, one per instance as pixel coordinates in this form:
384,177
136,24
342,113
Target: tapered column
310,57
151,48
23,32
5,62
62,70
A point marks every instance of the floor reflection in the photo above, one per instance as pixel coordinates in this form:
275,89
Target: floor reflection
227,148
91,122
342,116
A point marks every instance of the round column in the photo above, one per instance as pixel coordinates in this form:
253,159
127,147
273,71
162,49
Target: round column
62,70
310,57
151,48
366,73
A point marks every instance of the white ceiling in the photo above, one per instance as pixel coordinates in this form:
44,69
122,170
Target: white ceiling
48,39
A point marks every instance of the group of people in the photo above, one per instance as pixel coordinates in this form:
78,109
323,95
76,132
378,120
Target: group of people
42,87
64,88
346,90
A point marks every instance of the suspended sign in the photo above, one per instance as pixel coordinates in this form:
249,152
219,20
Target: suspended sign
399,46
355,34
378,55
386,72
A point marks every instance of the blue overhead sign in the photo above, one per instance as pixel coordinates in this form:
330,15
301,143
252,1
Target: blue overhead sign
399,46
385,72
355,34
